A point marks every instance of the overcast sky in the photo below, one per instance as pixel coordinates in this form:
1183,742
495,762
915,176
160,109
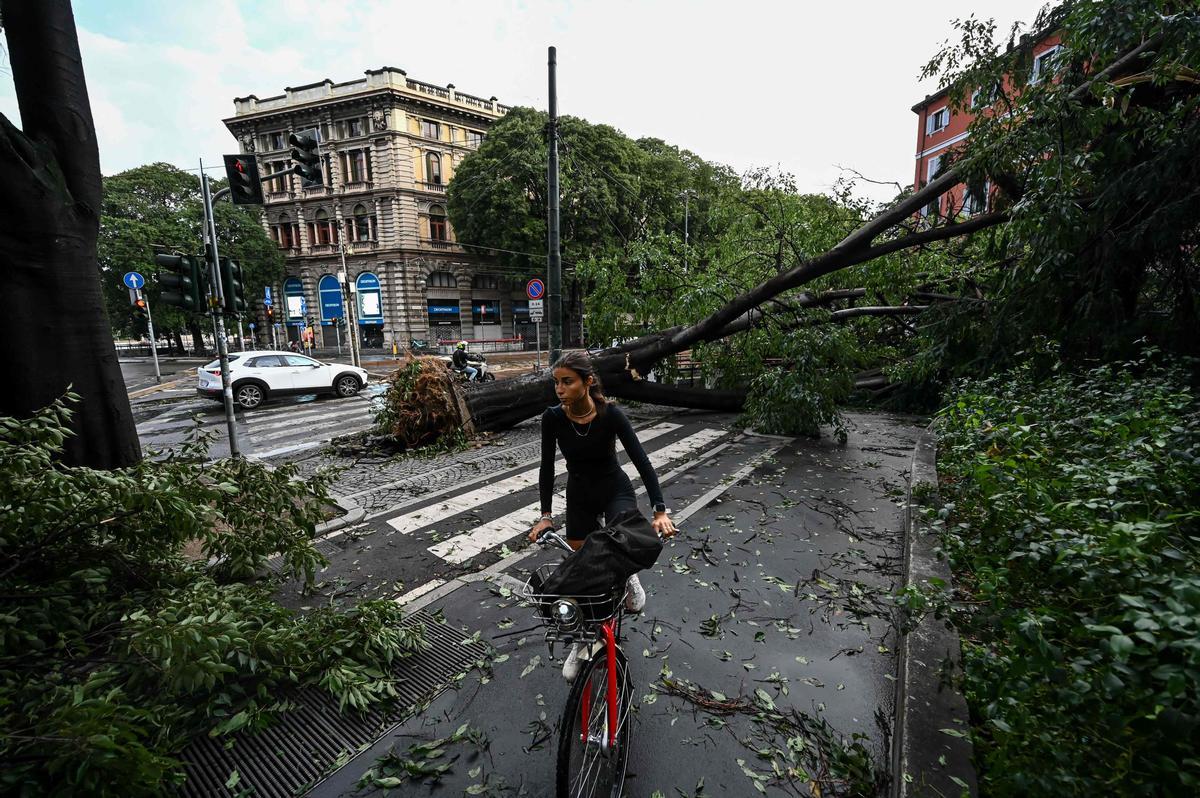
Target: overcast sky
801,86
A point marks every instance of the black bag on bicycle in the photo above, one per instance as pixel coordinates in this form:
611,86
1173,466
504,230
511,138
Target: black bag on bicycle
607,558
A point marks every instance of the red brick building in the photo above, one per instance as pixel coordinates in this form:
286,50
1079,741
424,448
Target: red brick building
941,129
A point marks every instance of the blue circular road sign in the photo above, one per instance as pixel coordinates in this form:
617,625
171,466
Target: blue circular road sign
535,288
134,280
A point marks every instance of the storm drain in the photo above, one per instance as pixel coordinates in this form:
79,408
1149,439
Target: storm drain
305,743
329,548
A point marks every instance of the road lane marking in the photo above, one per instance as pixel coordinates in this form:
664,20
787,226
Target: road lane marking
461,548
495,571
430,514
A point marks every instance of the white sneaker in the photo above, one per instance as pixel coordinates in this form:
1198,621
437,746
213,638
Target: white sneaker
571,666
635,599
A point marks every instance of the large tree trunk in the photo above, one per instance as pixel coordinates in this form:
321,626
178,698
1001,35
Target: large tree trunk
55,329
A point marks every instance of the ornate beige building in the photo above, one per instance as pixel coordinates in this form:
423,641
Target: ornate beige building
390,145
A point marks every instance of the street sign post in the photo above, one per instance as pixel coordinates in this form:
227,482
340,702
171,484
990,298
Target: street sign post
537,308
535,289
135,282
267,295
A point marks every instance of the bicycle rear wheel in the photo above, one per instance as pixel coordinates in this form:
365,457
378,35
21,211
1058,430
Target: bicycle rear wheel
588,766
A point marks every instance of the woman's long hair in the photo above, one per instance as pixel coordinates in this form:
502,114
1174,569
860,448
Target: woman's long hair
579,362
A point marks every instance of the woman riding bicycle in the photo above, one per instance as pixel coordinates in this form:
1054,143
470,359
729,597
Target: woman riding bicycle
585,427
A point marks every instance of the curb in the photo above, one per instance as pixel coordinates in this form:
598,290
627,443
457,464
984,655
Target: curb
926,760
352,515
162,386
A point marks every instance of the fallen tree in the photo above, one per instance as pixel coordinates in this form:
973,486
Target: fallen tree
622,368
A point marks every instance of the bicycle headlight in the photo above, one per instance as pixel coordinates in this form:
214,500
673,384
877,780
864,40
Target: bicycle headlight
565,612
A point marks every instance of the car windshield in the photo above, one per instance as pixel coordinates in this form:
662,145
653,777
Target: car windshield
217,363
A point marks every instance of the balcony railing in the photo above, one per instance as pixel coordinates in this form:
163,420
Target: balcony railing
356,185
437,243
323,249
315,191
435,188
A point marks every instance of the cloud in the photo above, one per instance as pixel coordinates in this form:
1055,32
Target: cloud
805,86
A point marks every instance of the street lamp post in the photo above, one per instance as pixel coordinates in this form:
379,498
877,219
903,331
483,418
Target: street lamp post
686,194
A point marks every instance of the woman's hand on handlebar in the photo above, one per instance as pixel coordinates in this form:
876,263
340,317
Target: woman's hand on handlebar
538,528
663,525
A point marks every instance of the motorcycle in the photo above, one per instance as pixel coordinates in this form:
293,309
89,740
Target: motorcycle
478,362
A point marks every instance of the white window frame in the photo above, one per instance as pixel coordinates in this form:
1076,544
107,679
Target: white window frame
930,120
1047,57
968,197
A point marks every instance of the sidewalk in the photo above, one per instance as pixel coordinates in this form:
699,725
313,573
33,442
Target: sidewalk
763,662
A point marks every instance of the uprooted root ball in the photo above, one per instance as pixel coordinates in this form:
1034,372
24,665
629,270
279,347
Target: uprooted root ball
420,406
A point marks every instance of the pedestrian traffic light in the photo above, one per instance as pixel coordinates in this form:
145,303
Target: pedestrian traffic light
231,286
245,187
306,152
181,279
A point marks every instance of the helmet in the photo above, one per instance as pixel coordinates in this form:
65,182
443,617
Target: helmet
461,345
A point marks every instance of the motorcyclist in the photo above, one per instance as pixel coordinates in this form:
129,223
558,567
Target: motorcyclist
460,362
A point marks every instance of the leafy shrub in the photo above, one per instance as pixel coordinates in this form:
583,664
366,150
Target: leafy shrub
799,395
116,648
1071,521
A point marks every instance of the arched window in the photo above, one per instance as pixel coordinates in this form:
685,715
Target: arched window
437,223
285,232
321,230
433,168
362,224
441,280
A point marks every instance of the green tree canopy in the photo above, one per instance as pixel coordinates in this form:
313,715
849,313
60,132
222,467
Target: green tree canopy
615,192
158,207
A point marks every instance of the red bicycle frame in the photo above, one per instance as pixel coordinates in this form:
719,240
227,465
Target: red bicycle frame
608,628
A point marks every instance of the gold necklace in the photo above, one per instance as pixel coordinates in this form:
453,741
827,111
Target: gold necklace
580,415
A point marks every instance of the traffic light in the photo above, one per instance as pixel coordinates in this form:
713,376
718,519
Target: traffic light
181,279
140,304
270,315
245,187
306,152
231,286
309,321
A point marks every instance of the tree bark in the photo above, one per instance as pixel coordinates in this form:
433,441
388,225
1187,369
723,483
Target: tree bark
54,326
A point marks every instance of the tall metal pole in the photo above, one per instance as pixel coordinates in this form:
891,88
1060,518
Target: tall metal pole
555,258
214,303
153,343
349,297
686,195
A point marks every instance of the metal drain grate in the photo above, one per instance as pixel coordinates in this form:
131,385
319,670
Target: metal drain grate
302,744
329,548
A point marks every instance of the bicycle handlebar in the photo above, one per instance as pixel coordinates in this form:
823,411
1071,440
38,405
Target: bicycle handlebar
550,535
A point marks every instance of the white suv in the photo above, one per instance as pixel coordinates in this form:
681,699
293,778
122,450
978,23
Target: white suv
257,375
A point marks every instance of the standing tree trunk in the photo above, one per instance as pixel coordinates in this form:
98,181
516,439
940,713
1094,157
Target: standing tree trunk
55,328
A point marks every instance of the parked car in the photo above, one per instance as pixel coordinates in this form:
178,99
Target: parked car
261,374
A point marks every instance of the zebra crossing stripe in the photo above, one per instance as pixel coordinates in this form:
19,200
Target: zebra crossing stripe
412,521
461,548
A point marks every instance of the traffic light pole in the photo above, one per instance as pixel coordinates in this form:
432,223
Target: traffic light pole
349,297
214,304
554,259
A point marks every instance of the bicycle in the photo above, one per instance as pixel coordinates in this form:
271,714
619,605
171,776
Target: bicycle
593,736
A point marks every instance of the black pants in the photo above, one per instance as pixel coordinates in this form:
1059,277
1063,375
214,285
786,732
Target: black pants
590,496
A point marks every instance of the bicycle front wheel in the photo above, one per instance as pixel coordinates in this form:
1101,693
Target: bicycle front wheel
591,761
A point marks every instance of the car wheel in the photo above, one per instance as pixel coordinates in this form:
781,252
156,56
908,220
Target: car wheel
346,386
249,396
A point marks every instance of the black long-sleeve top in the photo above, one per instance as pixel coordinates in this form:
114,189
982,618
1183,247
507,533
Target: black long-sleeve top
593,454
